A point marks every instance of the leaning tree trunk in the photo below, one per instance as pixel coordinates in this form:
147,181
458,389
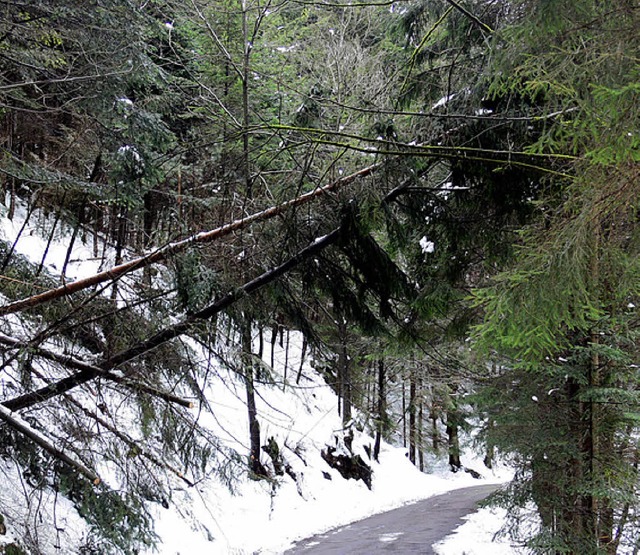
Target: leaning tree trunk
91,372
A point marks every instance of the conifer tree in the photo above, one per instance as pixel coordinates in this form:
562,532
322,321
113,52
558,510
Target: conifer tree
563,317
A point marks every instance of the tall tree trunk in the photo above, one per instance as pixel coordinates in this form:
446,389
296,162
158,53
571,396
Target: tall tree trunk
412,415
606,519
9,254
12,124
12,199
453,439
302,357
435,436
74,236
52,233
148,218
344,373
546,492
419,425
254,427
488,457
575,519
286,362
121,231
246,66
454,442
382,409
274,339
404,415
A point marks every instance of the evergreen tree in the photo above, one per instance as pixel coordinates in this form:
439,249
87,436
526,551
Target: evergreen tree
563,314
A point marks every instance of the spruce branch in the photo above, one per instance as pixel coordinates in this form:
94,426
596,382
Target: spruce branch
72,362
133,445
412,61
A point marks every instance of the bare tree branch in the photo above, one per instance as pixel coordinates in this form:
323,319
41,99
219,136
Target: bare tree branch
62,80
472,17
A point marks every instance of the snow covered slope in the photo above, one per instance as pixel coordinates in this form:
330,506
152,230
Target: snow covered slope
263,516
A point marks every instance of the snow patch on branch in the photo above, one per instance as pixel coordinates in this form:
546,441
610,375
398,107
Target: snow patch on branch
428,247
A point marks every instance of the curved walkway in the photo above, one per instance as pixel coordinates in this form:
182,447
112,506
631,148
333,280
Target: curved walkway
411,529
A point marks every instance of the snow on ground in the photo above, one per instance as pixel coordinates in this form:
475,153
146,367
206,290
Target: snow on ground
265,519
260,516
255,522
32,245
479,535
49,517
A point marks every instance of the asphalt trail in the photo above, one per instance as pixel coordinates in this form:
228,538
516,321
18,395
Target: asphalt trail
411,529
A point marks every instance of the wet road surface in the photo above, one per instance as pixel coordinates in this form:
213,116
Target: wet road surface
411,529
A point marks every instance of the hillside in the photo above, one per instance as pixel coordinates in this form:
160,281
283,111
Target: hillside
267,266
224,512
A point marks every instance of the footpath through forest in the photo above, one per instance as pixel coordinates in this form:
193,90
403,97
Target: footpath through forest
412,529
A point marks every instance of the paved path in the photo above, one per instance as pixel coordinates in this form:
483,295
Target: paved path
411,529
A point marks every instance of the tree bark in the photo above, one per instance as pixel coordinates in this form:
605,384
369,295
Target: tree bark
454,443
254,426
435,436
404,414
453,439
420,417
412,416
302,357
74,236
344,373
488,457
52,233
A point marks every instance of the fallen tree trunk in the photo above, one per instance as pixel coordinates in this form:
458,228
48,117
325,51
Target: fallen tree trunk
89,372
161,254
